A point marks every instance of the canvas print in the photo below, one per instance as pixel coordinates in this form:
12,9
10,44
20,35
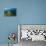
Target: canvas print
10,12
